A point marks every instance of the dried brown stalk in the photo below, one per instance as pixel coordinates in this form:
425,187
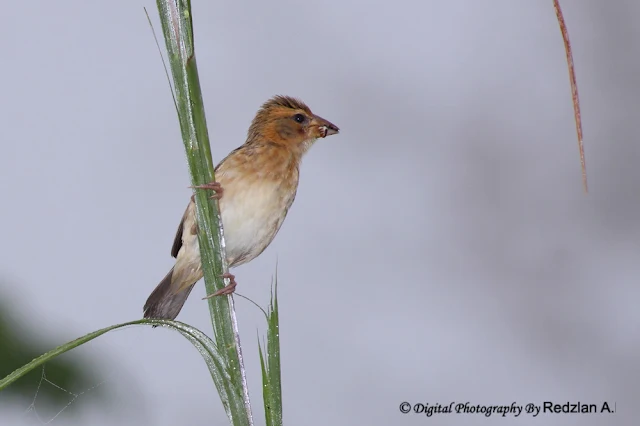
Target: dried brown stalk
574,90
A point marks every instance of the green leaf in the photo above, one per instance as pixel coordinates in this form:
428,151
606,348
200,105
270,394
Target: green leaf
205,345
19,345
270,365
177,28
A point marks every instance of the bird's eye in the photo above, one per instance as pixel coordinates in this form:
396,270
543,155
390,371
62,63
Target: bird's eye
299,118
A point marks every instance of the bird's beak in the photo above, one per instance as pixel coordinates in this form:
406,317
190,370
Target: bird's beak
325,128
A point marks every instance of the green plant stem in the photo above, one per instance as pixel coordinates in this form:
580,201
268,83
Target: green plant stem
177,27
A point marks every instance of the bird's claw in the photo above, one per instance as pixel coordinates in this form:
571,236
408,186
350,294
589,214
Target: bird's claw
213,186
226,290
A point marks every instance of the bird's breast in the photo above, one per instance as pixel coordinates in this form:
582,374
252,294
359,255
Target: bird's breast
252,212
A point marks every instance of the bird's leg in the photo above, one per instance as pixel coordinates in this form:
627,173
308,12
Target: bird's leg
228,289
213,186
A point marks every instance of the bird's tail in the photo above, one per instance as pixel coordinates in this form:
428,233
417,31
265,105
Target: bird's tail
166,301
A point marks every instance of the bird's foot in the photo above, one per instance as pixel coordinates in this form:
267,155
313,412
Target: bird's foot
213,186
228,289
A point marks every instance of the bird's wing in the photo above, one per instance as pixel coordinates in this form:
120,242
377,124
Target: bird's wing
177,242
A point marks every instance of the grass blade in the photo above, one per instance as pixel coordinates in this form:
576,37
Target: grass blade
205,345
270,365
177,28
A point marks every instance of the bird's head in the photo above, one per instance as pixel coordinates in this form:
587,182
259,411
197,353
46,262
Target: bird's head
287,121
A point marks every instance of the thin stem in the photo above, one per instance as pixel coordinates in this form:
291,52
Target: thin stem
177,27
574,91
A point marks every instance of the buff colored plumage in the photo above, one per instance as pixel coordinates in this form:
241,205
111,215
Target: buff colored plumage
256,185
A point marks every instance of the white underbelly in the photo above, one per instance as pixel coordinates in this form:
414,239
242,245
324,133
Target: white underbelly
251,218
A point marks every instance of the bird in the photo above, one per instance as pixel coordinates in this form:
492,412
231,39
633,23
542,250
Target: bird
255,185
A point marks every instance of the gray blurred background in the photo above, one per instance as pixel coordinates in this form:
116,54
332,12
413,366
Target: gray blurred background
440,248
